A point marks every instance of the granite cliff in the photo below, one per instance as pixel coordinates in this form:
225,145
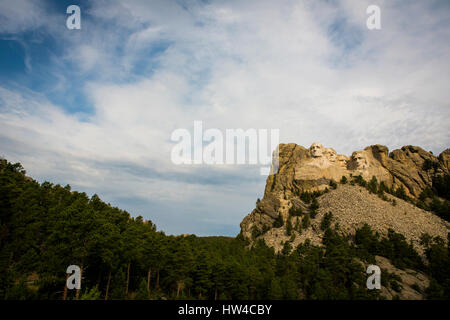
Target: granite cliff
408,171
315,190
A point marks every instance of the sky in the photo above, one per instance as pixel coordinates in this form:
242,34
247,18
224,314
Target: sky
95,107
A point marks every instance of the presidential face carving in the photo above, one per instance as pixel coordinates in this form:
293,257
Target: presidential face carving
360,160
316,150
342,160
330,154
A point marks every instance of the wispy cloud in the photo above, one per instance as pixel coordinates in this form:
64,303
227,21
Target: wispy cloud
137,70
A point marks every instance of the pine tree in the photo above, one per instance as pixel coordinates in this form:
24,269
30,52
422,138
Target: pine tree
305,221
288,227
279,222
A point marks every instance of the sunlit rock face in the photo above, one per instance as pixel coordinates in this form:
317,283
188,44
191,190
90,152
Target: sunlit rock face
310,169
316,150
302,169
364,163
322,164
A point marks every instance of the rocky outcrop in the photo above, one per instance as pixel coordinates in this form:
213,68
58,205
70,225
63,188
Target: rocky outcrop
410,284
444,159
414,168
305,169
352,207
312,169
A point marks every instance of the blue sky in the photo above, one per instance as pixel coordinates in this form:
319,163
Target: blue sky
95,108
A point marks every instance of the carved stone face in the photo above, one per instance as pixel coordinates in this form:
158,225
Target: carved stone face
360,160
330,154
316,150
341,160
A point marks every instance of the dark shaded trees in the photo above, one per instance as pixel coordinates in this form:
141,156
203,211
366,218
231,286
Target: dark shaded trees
45,228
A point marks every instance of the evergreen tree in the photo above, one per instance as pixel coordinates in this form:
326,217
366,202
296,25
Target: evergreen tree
288,226
45,228
305,221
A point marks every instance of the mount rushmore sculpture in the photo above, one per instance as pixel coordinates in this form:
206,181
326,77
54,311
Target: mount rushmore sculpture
314,168
303,169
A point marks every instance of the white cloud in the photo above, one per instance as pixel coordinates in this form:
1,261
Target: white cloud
22,15
311,69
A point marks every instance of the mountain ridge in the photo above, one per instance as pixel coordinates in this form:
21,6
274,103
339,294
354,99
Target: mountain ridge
403,180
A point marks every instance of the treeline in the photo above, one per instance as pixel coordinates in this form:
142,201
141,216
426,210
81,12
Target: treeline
45,228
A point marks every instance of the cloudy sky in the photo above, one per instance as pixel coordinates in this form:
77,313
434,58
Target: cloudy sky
95,108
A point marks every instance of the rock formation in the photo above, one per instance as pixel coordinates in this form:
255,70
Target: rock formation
312,169
317,169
